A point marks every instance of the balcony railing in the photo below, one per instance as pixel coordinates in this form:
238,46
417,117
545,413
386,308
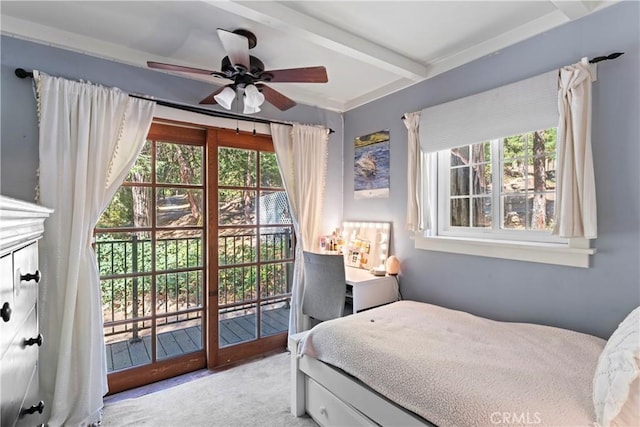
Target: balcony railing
126,273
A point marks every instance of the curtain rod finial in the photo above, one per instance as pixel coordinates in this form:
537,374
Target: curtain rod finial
23,74
606,58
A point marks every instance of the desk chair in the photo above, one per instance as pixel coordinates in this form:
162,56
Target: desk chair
324,287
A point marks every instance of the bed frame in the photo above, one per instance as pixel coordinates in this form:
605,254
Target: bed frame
333,398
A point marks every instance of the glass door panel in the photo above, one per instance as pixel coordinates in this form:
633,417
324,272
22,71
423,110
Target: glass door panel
254,248
151,252
236,304
127,346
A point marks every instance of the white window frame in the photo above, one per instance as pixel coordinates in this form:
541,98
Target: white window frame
514,108
521,245
575,253
496,231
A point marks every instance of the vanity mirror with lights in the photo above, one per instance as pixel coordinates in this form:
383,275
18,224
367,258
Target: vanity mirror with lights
366,244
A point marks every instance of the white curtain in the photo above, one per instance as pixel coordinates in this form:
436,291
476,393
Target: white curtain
422,188
301,152
90,137
575,204
414,181
429,174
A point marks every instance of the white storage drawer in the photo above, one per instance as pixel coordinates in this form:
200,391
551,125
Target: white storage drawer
6,303
21,226
326,409
32,403
25,292
18,365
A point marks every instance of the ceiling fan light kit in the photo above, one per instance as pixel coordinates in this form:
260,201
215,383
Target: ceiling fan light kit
225,98
250,110
252,96
245,71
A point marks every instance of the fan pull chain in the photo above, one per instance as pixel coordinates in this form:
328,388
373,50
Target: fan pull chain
237,113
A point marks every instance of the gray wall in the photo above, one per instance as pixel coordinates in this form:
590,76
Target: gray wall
19,147
590,300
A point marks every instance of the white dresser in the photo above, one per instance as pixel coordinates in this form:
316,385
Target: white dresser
21,226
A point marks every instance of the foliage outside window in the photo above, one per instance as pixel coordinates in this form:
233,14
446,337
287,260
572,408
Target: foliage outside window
501,189
149,243
255,233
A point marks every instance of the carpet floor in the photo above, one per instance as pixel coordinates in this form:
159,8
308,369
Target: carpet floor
253,394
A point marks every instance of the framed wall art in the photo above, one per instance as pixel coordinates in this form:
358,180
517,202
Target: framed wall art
371,165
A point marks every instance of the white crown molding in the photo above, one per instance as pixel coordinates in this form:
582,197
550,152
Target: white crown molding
54,37
296,24
20,222
488,47
572,9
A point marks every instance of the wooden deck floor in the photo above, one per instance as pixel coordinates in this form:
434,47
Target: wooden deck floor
125,354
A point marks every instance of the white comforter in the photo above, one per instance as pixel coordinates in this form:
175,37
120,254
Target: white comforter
456,369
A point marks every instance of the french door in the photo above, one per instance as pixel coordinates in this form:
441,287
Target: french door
253,250
195,256
151,248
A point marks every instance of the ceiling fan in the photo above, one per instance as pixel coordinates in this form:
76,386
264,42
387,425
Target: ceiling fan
248,75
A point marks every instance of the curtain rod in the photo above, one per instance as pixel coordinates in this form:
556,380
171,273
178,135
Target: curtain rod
595,60
23,74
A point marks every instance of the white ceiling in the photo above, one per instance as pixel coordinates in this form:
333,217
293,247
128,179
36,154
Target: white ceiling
370,48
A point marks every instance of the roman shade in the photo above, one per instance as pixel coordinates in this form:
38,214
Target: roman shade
519,107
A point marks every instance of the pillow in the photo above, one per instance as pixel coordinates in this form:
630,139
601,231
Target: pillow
616,384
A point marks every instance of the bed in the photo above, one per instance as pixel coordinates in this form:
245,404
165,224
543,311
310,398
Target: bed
411,363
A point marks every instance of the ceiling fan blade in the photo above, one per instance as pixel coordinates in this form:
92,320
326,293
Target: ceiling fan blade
275,98
236,46
298,75
172,67
210,99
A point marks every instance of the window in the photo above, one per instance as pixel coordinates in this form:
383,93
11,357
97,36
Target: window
488,182
516,202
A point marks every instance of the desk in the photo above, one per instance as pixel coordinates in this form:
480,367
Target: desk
366,290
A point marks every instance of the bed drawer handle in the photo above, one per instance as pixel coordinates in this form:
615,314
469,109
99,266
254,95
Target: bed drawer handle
323,411
5,312
31,276
39,407
32,341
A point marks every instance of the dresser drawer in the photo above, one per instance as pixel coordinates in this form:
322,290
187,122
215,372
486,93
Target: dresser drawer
16,369
32,398
25,292
7,329
326,409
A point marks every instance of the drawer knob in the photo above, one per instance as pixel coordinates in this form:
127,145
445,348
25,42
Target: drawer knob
5,312
39,407
323,411
30,276
32,341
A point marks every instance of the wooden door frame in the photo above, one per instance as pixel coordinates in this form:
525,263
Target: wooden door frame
211,356
228,355
156,370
